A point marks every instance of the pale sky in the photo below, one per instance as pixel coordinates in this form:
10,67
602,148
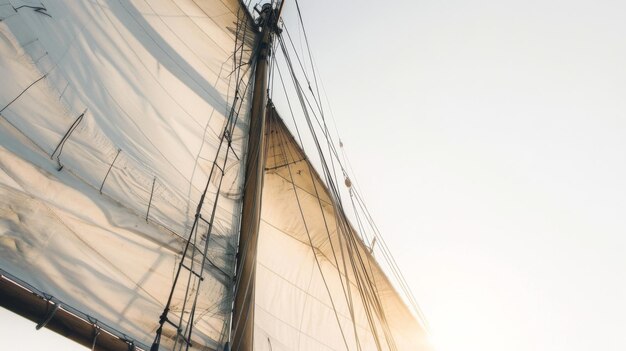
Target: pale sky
488,140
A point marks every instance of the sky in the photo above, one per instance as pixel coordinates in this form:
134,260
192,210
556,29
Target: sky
487,138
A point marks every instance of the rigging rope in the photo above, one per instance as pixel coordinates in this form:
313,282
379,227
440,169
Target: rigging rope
227,134
330,183
386,253
360,262
195,278
314,253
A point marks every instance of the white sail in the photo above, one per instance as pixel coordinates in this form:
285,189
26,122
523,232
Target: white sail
141,90
318,287
115,115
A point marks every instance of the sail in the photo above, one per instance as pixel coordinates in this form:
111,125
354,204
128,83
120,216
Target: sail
124,129
113,115
317,285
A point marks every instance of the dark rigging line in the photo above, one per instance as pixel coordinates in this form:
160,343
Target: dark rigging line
346,288
376,302
314,253
330,182
188,330
387,255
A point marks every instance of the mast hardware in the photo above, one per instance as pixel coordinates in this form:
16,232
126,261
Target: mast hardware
242,324
268,16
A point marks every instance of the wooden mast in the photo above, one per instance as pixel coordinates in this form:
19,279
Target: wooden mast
242,336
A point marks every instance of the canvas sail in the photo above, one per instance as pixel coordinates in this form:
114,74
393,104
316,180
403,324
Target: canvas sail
130,100
114,116
317,286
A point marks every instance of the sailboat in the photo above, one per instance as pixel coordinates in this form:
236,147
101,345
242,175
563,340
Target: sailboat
152,196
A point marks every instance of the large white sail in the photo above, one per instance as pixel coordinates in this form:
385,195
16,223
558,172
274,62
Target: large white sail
318,287
116,114
131,99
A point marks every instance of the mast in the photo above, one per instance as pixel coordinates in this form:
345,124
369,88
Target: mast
242,335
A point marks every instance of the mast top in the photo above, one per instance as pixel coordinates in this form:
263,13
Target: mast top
268,16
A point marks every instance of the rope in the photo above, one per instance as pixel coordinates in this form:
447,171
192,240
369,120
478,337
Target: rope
315,254
365,284
23,91
109,171
194,286
67,135
387,255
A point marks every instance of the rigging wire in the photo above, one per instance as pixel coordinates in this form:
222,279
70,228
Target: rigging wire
346,287
384,248
317,262
339,212
195,278
369,289
322,125
228,137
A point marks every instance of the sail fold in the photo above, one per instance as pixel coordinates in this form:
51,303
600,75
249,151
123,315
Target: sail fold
112,116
